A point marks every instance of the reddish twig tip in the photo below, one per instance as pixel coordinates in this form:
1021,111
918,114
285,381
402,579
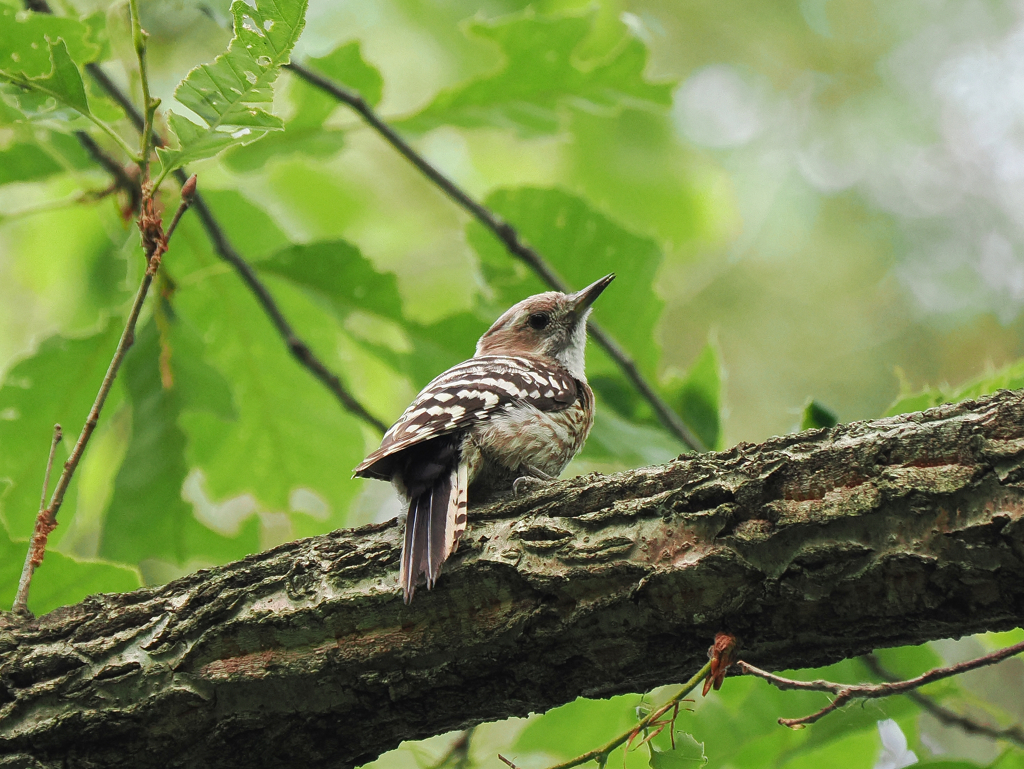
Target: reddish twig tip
722,654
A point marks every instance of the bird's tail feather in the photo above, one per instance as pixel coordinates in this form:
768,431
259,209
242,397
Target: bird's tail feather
459,504
437,519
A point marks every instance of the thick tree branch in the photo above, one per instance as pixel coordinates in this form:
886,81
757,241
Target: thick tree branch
509,237
810,548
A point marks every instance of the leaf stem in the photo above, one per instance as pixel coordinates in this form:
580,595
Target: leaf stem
149,104
163,175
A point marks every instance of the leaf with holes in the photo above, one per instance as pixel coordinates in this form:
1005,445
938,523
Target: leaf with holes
229,95
25,38
51,95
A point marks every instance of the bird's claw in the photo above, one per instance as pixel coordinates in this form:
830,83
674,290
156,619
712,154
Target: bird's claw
520,484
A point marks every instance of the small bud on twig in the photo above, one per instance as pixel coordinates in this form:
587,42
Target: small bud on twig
188,190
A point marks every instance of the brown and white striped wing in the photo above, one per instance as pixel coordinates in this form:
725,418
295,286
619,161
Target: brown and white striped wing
469,393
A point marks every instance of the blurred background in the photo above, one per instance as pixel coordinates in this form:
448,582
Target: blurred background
818,199
835,184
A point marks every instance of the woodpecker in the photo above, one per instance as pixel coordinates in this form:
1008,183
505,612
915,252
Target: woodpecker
520,408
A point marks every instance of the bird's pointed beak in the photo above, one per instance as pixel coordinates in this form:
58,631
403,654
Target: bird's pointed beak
584,298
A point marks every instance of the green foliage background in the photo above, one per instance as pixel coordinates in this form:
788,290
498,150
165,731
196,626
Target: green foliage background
766,181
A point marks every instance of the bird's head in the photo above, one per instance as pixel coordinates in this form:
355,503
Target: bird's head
549,325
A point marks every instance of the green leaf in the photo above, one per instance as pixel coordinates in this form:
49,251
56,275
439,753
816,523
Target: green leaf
227,94
313,142
347,66
816,415
290,434
147,517
338,276
579,726
687,754
616,439
541,77
582,245
697,397
250,228
60,580
62,85
25,39
55,385
24,162
1010,377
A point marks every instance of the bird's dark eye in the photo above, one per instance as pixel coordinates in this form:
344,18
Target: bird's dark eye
539,320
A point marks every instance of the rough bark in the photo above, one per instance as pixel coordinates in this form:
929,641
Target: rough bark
811,547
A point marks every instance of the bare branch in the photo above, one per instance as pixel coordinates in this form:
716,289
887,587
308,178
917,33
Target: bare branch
846,692
44,525
946,716
508,235
154,243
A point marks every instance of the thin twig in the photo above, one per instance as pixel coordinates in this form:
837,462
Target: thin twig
508,235
44,525
122,180
296,346
846,692
155,245
149,104
600,755
946,716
